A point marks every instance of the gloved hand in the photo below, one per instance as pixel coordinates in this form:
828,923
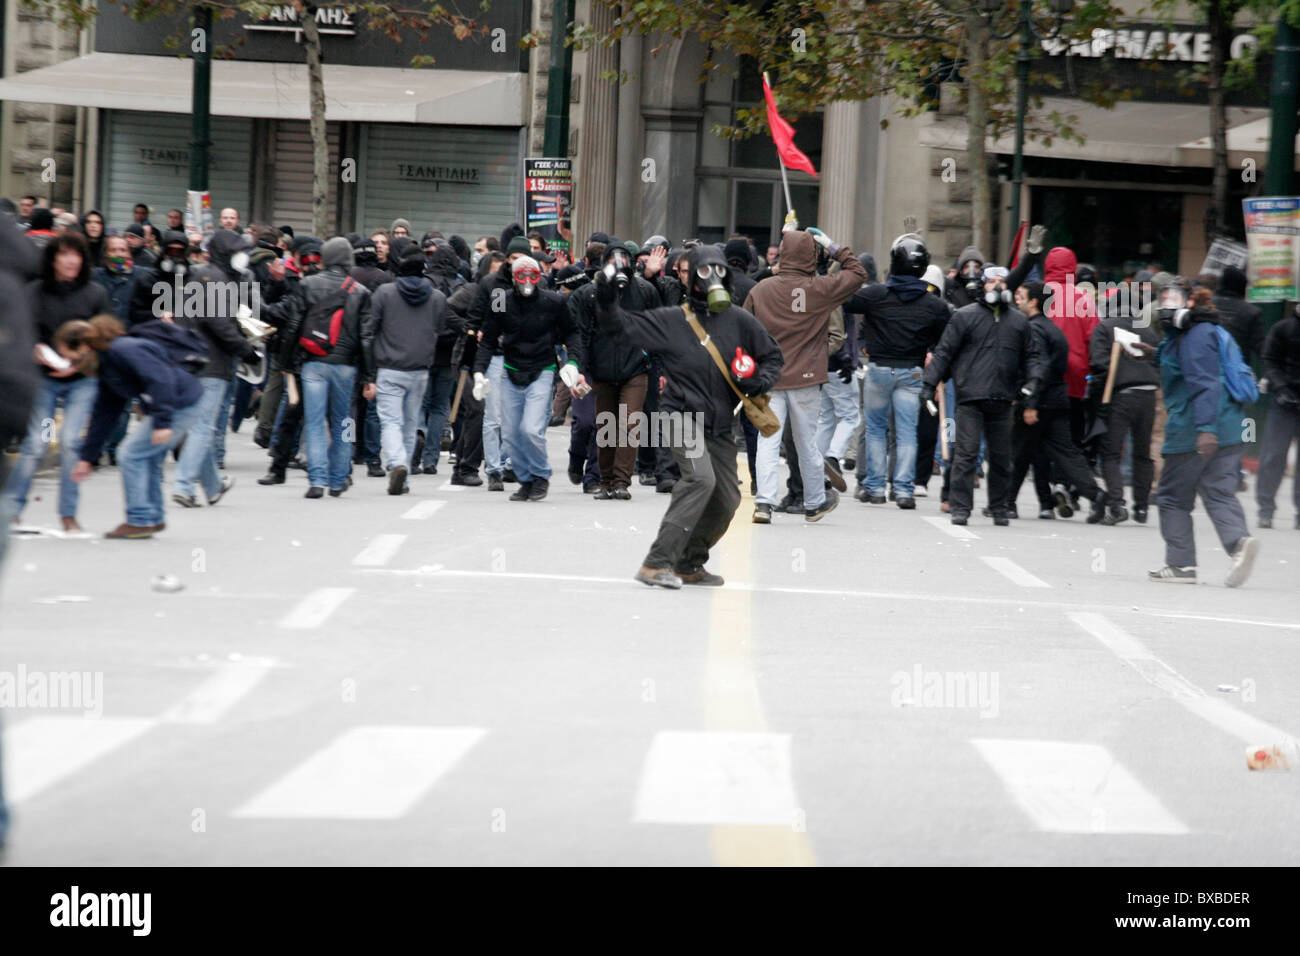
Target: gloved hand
791,222
846,374
481,386
927,393
569,375
1036,236
823,240
606,294
1207,443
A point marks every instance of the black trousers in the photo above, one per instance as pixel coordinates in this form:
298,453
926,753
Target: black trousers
991,420
1051,436
1132,414
654,461
469,446
287,437
703,502
927,437
1282,428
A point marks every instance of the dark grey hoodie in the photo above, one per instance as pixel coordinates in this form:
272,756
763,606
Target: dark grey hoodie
401,331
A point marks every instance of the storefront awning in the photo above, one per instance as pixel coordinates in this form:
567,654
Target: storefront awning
276,90
1155,134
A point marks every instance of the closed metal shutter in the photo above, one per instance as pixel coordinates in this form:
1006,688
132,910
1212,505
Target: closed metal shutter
148,161
293,175
456,179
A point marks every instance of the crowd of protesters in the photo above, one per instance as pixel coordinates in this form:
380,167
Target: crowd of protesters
408,351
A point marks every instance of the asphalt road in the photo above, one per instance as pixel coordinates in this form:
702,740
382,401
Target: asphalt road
452,678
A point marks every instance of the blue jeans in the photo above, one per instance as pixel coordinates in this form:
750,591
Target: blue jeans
374,443
399,397
839,416
198,461
525,413
141,464
219,436
327,398
897,390
800,406
78,400
437,406
493,454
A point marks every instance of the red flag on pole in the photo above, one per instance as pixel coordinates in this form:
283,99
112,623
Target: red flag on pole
1014,257
783,135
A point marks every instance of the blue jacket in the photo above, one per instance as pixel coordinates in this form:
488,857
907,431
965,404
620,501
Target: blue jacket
137,368
1195,396
120,288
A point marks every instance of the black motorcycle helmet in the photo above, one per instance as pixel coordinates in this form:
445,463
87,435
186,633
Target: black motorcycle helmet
908,256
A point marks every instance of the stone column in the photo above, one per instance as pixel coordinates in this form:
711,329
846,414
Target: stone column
595,174
672,140
838,199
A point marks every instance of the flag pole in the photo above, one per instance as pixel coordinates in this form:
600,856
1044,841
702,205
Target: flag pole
785,179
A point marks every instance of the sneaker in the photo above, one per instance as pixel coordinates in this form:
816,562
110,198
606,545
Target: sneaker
874,499
315,491
1097,511
1243,561
1265,521
762,514
1173,575
575,473
1047,514
539,487
789,505
470,479
622,493
1009,512
375,470
907,504
185,501
1001,519
830,504
700,578
834,475
262,439
336,492
861,494
133,531
1140,515
647,478
920,492
1114,515
658,577
665,485
590,487
226,484
272,477
417,456
850,464
397,480
521,494
494,482
299,463
1062,499
603,494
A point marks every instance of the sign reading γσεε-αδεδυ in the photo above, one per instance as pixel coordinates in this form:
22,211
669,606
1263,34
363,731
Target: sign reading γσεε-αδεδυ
548,197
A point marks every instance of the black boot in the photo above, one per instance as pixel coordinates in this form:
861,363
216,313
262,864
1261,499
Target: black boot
538,488
522,494
272,477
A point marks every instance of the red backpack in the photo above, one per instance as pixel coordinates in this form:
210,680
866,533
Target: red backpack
321,327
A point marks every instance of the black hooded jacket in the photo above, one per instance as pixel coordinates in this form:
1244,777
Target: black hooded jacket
214,314
18,380
988,353
695,383
530,329
604,359
1242,319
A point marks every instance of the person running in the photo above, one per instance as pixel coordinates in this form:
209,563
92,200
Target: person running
1203,441
531,325
142,367
706,497
63,292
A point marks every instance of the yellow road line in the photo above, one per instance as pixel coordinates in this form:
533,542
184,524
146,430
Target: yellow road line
732,701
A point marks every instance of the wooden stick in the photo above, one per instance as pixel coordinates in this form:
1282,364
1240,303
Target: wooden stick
460,390
1115,349
291,385
943,422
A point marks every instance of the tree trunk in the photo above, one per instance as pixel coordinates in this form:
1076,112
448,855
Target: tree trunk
320,146
977,121
1219,24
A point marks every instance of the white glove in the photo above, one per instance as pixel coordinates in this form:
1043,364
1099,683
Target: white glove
1036,236
569,374
481,386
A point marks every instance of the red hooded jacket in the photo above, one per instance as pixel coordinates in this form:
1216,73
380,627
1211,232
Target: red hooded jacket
1074,312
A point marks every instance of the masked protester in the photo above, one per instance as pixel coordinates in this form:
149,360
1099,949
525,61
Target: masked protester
706,497
902,321
990,354
1281,366
117,274
1203,438
530,323
619,377
796,307
469,432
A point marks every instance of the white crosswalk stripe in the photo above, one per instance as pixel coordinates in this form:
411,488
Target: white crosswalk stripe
425,509
208,703
315,608
42,751
367,773
379,551
1076,788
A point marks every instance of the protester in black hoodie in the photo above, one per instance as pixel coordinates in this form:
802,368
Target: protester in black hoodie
398,341
706,497
964,286
1281,366
444,271
64,292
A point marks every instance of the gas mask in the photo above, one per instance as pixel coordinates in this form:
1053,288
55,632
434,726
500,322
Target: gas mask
970,277
525,274
1171,309
617,267
1000,294
174,262
710,277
